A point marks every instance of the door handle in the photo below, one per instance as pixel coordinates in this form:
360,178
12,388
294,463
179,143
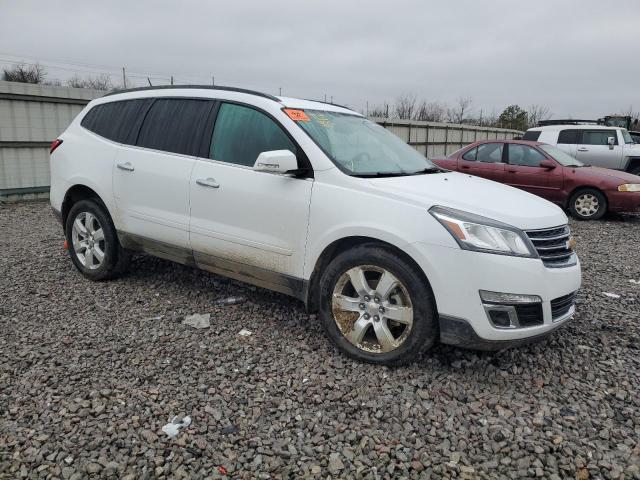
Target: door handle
208,182
466,167
583,149
126,166
512,171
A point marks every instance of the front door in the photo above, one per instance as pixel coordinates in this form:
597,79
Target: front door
524,171
594,149
244,223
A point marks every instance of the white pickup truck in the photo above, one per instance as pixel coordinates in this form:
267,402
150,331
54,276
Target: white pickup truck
602,146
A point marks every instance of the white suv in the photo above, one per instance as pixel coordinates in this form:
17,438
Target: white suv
315,201
602,146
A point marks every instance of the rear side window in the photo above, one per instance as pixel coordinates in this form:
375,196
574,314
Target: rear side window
242,133
490,152
117,121
532,136
568,137
598,137
175,125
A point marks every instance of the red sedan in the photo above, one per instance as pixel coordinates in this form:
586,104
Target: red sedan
544,170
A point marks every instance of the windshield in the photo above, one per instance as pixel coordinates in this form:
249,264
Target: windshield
627,138
561,157
361,147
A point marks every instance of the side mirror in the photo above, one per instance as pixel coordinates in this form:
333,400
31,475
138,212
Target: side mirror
548,164
276,161
611,141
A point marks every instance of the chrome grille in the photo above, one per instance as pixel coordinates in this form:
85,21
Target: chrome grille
552,245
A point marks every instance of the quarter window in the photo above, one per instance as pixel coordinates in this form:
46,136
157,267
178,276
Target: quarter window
598,137
175,125
117,121
242,133
524,155
471,155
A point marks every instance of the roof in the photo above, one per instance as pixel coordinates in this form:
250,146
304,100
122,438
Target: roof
288,102
555,128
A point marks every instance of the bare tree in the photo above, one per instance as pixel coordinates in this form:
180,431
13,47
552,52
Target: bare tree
405,107
462,109
379,111
536,113
430,112
25,73
99,82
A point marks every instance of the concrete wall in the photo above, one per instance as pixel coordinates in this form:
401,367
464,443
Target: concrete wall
31,116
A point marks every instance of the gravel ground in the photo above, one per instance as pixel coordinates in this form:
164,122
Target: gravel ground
90,372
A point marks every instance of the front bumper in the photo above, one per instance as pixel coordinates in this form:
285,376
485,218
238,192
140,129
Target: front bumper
456,277
623,202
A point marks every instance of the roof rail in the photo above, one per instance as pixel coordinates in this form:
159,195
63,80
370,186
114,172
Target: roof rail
207,87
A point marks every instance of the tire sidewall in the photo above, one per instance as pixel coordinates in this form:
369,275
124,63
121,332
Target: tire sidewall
602,204
110,239
424,331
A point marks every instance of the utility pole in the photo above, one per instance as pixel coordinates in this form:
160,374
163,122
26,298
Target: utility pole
213,81
171,79
279,91
325,98
124,79
367,108
331,99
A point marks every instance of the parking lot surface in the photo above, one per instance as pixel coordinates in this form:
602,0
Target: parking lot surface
90,373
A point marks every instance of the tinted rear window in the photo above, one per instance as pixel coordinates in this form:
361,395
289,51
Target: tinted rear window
531,136
117,121
175,125
568,136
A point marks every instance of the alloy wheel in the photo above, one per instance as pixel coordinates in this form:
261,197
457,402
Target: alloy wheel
88,240
372,309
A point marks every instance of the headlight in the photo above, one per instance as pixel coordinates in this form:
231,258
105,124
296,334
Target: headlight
629,187
481,234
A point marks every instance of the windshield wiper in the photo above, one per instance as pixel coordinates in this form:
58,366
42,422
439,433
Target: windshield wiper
398,174
427,171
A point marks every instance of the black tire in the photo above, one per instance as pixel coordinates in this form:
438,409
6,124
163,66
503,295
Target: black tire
423,332
116,259
579,212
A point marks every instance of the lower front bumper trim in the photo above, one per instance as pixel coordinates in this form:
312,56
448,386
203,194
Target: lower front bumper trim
458,332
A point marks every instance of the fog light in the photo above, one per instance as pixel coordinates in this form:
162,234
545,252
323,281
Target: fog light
500,318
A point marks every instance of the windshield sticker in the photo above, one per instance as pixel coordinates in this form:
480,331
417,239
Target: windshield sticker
296,115
322,120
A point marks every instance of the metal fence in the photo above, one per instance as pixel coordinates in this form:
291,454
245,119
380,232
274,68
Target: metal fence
31,116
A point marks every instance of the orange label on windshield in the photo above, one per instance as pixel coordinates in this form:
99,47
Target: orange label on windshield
296,115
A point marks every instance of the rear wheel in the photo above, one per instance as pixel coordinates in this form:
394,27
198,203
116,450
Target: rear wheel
588,204
93,244
376,307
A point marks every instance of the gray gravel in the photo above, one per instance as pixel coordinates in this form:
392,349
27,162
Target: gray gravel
90,372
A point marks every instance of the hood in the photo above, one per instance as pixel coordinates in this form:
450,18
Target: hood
615,176
475,195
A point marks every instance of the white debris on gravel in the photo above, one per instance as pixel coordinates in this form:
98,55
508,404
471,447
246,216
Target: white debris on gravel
175,425
198,321
635,282
611,295
245,333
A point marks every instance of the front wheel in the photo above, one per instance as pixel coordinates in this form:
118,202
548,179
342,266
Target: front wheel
588,204
93,244
376,307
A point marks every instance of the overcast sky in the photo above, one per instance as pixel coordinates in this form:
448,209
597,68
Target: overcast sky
578,57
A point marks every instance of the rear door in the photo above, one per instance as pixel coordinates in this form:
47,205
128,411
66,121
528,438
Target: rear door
151,179
484,161
524,171
594,149
567,140
247,223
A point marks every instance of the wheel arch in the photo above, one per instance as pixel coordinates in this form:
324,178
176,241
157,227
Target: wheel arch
338,246
76,193
584,187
